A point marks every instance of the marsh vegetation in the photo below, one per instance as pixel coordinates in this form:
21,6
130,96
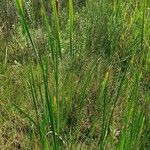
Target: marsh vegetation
75,75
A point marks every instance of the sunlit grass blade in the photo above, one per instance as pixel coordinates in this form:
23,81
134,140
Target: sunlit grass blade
143,32
56,29
71,26
49,32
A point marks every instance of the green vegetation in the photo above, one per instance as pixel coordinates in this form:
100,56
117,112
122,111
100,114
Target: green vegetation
75,75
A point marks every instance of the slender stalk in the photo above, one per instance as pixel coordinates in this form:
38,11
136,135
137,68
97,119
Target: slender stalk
71,26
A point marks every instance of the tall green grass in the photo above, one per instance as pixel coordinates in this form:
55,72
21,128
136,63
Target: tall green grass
109,65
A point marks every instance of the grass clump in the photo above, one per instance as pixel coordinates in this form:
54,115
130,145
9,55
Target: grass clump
83,85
